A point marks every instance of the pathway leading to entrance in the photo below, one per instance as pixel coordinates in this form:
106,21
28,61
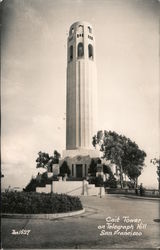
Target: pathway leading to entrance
82,231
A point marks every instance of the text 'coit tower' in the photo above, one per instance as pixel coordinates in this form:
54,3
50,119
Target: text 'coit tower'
81,87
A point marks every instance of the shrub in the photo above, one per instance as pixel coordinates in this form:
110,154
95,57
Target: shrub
31,186
64,169
98,181
93,166
111,182
36,203
40,181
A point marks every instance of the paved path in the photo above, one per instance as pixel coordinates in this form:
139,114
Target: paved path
82,231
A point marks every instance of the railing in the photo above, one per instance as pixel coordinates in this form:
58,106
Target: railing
146,192
75,179
75,189
152,192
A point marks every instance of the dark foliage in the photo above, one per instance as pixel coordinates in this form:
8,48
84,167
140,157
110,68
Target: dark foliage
121,151
35,203
31,186
46,161
111,182
40,181
64,169
93,166
98,181
156,162
107,169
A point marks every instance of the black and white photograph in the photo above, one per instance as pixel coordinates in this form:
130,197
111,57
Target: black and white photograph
80,122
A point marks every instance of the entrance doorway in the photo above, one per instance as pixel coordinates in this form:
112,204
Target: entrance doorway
79,170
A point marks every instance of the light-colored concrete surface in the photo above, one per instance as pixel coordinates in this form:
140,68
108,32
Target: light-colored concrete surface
82,231
75,188
46,189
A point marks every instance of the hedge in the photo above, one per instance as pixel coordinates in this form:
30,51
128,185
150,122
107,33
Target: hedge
36,203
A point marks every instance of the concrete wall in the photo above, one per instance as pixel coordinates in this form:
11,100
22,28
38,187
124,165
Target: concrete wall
68,187
147,192
152,193
75,188
46,189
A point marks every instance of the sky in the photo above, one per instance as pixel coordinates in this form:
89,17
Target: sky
33,83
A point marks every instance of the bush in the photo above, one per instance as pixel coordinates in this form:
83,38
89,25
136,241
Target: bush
36,203
111,182
31,186
93,166
98,181
40,181
64,169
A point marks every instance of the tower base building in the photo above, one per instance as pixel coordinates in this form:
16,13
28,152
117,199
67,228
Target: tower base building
79,161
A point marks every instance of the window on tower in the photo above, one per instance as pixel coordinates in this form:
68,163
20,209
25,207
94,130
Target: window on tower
89,29
71,53
80,50
80,28
90,51
71,31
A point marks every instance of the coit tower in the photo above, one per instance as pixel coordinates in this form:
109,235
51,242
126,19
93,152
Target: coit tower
81,106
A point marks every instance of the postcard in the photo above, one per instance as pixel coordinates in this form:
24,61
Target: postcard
80,124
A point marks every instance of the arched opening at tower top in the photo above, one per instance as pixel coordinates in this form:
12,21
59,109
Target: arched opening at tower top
90,51
89,29
80,50
71,53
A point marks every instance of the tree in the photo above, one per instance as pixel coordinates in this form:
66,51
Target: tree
31,186
42,160
56,156
133,160
111,181
121,151
156,162
46,161
93,166
112,147
98,181
107,169
64,169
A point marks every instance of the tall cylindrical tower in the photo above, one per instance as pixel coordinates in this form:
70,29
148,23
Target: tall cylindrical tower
81,113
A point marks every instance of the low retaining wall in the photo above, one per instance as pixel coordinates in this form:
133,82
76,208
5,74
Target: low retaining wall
147,192
46,189
151,193
68,187
75,188
119,191
43,216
